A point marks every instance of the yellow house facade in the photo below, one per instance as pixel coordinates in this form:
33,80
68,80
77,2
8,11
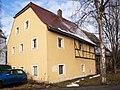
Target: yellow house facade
48,47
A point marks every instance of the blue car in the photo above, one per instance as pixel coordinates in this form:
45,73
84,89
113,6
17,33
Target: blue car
12,76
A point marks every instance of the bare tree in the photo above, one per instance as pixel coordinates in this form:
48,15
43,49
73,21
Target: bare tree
112,29
0,13
95,9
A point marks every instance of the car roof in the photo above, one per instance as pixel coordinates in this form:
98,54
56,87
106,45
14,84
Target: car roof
14,69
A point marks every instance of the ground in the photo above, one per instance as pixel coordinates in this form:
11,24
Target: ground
113,83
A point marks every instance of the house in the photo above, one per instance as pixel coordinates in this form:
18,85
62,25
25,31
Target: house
3,48
108,54
48,47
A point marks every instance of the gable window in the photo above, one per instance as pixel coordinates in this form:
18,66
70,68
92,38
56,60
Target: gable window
17,30
60,42
35,70
34,43
21,47
83,68
26,24
61,69
13,50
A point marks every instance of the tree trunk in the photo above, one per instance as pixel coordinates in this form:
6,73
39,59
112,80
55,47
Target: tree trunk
102,51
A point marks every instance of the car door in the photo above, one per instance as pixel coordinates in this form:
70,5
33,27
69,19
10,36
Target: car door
20,75
11,77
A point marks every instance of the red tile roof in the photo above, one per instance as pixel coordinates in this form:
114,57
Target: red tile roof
53,21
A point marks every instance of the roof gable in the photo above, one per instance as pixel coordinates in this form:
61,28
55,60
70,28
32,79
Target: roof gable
54,21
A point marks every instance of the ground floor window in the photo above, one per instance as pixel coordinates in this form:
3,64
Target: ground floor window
13,67
61,69
22,67
83,67
35,70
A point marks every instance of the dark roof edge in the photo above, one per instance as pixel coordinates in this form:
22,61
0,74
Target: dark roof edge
66,34
24,9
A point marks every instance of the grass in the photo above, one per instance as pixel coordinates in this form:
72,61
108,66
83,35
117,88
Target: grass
112,79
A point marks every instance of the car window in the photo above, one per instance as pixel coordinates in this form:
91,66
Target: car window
12,72
19,71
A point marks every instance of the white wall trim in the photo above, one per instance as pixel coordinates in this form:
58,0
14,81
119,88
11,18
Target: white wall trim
64,79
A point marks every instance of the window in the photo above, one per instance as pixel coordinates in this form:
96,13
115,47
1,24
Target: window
21,47
60,42
13,67
13,50
20,72
34,43
12,72
26,24
22,68
83,68
35,71
17,30
61,69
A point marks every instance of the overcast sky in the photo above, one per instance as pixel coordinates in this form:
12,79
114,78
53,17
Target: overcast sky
11,7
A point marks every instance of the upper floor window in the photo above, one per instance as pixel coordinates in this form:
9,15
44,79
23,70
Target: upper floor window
13,50
34,43
21,47
26,24
60,42
17,30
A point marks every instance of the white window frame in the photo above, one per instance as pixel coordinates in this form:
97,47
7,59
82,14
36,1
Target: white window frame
63,69
21,67
13,67
83,68
62,42
25,24
33,70
16,30
20,49
13,50
32,43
